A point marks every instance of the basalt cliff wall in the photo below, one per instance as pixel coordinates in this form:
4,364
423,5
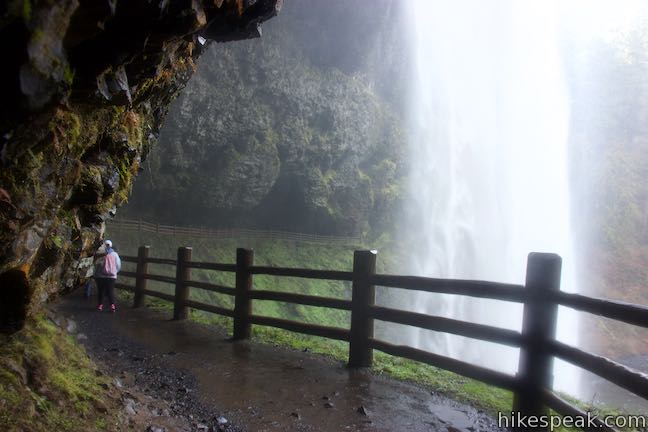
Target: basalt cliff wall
85,86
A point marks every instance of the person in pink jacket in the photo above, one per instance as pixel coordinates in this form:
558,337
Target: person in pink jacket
105,275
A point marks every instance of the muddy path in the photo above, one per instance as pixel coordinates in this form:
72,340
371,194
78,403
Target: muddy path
214,384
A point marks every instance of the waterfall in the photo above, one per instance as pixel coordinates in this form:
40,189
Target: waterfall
489,123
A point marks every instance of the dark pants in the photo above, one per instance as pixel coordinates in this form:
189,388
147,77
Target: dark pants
105,286
87,288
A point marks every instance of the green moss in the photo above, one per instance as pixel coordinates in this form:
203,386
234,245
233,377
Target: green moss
38,35
101,424
143,87
68,74
131,125
65,126
125,181
27,11
57,240
61,388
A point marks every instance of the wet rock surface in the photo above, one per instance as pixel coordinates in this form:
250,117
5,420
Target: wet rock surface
185,376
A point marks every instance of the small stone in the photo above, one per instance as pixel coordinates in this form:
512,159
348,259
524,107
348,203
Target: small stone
155,429
71,327
328,405
295,414
363,410
130,410
221,420
118,383
202,427
81,337
100,406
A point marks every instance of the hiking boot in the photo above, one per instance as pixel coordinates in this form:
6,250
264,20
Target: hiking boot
113,308
100,308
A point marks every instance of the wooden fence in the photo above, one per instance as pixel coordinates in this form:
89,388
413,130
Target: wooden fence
540,295
203,232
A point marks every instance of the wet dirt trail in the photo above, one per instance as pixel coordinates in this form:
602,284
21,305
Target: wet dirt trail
256,387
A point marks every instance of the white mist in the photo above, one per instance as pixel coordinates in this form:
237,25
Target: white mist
489,123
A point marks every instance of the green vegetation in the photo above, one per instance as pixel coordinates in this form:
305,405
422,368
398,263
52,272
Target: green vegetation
47,381
27,11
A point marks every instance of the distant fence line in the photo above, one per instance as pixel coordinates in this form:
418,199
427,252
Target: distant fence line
205,232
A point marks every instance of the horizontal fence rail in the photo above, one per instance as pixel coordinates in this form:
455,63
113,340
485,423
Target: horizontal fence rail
203,232
448,325
482,289
303,299
621,375
619,311
540,295
303,273
309,329
498,379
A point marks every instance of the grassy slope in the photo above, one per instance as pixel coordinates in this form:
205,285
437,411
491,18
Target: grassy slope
47,382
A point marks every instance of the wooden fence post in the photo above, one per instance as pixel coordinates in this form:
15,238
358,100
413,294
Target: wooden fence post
242,301
363,295
535,368
140,279
183,274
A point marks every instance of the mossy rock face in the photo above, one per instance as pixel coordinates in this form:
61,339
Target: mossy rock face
90,189
268,135
85,88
